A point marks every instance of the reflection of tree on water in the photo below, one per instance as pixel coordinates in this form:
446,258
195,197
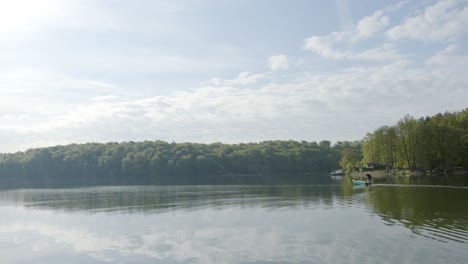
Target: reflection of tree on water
437,212
423,179
161,198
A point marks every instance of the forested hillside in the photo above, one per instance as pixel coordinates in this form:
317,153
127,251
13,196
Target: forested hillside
437,142
428,143
151,159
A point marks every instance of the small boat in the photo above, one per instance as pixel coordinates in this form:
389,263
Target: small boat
337,173
357,182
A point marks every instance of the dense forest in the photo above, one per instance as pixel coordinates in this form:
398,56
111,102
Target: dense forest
158,159
439,142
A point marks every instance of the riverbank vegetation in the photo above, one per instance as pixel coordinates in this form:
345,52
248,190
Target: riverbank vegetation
438,142
161,159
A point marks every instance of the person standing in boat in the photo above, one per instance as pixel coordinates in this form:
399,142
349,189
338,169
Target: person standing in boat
369,178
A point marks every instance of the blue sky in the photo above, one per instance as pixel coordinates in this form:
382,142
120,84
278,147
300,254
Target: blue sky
231,71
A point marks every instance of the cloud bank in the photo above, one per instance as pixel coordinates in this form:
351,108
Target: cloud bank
381,69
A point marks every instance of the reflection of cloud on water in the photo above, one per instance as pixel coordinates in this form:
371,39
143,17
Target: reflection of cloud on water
220,236
179,246
217,245
343,231
42,237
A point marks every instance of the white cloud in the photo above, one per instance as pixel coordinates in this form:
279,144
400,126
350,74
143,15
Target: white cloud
370,25
336,44
442,21
383,53
43,107
445,56
34,96
361,97
324,46
278,62
104,97
46,91
244,78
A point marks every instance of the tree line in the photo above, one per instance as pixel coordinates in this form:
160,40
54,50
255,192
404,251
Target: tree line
153,159
438,142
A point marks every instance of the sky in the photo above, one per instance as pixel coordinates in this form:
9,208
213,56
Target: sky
76,71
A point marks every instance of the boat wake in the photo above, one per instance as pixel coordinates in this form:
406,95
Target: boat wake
420,185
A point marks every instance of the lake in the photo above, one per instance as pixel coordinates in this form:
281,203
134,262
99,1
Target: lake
327,221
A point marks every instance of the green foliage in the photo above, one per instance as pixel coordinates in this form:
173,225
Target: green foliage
437,142
158,159
347,157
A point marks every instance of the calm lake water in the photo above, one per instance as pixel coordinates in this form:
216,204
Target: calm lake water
327,222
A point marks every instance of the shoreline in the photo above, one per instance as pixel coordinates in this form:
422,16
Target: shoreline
379,174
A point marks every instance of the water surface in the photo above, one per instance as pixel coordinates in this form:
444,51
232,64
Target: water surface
333,222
